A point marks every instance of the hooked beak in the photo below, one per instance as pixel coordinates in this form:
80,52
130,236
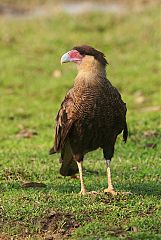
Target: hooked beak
65,58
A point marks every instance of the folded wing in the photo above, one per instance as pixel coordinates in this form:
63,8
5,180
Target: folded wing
64,122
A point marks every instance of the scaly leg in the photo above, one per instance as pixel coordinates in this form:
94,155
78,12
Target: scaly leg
110,188
80,166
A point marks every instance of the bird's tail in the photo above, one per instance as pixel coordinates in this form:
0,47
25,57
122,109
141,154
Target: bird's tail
68,165
125,133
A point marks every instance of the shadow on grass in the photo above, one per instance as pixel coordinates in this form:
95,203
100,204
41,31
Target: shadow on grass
146,188
73,186
149,188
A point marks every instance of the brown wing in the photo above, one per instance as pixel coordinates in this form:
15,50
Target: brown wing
64,121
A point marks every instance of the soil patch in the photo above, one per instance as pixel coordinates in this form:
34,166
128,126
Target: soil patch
58,224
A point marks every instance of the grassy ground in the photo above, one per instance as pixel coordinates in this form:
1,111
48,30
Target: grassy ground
33,84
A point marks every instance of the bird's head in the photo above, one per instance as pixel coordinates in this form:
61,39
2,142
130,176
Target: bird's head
81,53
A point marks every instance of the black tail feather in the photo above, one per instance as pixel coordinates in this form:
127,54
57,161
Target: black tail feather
52,151
68,165
125,133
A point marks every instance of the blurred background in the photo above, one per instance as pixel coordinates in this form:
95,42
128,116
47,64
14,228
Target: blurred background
33,8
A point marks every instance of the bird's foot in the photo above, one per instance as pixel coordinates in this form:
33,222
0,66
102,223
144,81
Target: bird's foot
75,176
111,191
92,192
125,193
88,193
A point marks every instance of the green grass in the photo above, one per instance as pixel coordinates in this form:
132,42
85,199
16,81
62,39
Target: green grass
30,96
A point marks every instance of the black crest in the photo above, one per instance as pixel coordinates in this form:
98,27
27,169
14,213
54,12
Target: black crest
87,50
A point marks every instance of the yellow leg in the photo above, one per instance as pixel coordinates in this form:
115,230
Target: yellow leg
110,188
80,166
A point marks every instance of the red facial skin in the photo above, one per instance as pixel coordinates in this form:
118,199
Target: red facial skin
75,56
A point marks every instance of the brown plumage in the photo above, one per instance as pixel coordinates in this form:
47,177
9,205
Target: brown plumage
91,115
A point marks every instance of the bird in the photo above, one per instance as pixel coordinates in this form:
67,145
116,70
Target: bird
91,115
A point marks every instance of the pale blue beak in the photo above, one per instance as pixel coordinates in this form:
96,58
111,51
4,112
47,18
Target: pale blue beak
65,58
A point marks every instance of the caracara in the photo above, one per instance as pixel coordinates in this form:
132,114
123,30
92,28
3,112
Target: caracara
91,115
